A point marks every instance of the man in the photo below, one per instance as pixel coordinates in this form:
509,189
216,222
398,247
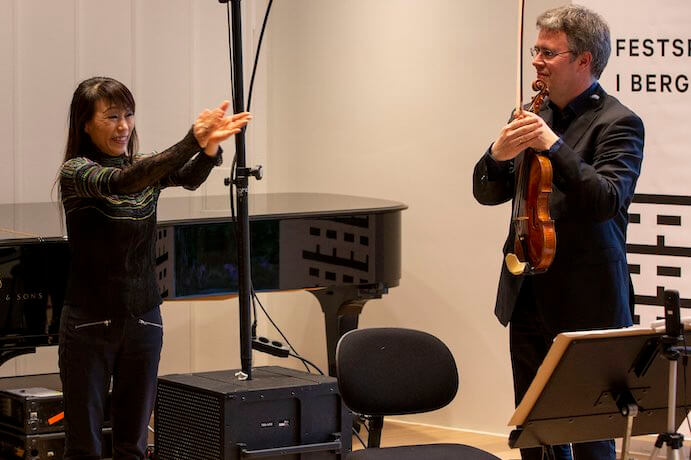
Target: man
595,145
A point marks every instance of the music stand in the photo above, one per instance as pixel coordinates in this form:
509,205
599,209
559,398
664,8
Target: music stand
587,378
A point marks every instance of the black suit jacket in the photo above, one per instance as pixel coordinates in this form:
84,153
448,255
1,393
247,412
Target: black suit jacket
595,173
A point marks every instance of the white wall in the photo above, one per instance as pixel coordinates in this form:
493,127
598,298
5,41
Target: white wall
394,99
398,99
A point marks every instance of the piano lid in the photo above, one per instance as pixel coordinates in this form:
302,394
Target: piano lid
41,221
21,222
272,205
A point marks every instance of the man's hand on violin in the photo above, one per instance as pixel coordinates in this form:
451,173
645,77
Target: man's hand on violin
527,130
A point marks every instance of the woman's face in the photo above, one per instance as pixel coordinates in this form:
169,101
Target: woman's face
110,128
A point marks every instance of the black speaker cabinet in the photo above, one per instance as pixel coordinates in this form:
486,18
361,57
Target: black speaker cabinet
279,414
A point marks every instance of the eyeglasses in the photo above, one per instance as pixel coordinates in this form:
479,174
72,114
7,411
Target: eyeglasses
546,53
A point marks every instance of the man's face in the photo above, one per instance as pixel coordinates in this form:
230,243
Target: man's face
563,71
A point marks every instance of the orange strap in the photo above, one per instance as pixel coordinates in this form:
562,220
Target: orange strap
56,418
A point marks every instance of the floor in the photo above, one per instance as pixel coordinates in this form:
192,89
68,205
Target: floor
400,433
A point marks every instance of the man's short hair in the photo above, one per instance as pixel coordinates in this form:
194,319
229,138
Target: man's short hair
585,31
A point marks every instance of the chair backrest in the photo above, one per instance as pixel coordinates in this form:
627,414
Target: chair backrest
394,371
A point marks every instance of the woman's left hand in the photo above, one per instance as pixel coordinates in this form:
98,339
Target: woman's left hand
226,128
212,127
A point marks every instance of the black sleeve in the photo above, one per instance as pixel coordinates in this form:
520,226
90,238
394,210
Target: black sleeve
193,173
493,181
152,169
600,189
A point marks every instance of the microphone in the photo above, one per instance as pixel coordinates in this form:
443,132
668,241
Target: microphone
673,324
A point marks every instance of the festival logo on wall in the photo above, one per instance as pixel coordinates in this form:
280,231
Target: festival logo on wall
649,71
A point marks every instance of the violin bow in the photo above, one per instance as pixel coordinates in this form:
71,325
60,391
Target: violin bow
519,59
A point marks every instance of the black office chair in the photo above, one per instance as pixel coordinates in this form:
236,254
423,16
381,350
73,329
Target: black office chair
395,371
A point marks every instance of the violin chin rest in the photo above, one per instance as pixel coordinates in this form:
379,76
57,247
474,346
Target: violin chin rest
515,266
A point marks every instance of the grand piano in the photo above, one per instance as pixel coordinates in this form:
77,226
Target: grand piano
345,250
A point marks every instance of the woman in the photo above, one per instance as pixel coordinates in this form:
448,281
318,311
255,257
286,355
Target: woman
111,323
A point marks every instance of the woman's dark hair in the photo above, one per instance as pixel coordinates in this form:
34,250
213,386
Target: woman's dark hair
82,110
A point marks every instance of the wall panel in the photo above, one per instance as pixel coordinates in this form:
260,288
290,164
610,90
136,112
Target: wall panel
7,101
105,40
45,72
162,64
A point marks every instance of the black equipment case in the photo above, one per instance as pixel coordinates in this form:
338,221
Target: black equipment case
32,410
49,446
279,414
31,404
30,425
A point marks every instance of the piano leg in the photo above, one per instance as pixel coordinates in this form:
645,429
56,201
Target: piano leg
6,355
342,306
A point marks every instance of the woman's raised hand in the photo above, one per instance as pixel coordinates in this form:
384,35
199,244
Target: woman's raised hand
212,127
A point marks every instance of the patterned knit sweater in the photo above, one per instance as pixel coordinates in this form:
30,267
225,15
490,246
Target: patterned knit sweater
110,209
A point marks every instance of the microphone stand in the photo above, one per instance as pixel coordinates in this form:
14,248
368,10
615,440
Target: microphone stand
674,330
242,225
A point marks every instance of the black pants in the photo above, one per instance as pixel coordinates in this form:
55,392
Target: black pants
530,340
91,352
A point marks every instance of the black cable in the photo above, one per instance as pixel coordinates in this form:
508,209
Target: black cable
364,424
256,54
232,186
254,293
290,345
357,435
297,355
232,98
254,312
306,361
230,54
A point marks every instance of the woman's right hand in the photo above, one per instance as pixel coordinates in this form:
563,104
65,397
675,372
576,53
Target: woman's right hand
212,126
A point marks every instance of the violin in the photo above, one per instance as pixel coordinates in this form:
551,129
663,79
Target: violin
535,239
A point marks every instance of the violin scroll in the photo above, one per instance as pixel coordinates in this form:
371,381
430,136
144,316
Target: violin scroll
534,233
539,86
542,92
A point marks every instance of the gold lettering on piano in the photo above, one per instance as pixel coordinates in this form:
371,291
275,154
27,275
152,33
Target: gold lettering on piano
24,296
29,296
